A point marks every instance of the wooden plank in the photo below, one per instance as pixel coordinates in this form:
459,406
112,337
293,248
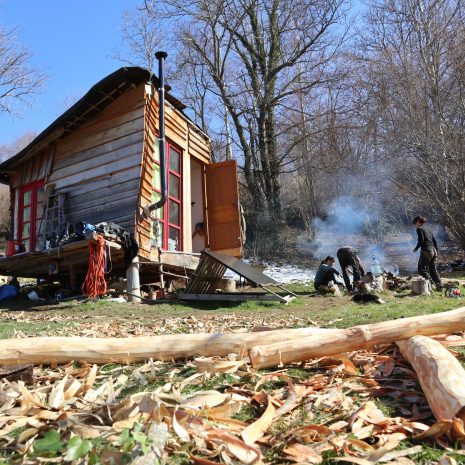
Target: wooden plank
81,142
110,146
103,181
99,193
102,170
94,162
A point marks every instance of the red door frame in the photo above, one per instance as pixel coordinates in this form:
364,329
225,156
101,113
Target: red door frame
33,187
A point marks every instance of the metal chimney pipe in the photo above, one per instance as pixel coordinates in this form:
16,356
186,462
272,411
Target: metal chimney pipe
160,56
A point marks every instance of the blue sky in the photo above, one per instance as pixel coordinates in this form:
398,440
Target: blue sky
73,41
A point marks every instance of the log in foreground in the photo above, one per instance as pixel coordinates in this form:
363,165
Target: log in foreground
357,337
440,375
51,350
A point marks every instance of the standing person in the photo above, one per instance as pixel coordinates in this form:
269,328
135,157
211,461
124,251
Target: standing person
348,258
326,273
428,252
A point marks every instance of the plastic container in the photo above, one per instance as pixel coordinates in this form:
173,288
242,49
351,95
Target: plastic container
10,248
375,267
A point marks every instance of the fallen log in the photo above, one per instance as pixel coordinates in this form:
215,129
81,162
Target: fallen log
54,350
440,375
357,337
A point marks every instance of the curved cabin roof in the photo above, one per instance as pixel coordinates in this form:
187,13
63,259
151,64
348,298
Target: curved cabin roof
94,101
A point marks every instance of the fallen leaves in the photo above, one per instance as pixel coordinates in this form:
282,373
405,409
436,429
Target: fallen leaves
358,408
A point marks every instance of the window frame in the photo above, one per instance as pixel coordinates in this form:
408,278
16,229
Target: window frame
32,187
165,221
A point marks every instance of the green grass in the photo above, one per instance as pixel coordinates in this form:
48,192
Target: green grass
306,310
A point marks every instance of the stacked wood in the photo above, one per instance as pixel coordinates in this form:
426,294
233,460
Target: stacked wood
440,375
357,337
51,350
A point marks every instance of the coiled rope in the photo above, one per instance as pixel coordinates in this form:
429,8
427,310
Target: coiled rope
95,283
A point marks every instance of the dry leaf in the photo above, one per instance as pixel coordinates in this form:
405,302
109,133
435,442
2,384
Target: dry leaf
304,454
257,429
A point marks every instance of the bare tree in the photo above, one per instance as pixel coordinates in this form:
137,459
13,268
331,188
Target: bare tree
19,79
411,83
255,55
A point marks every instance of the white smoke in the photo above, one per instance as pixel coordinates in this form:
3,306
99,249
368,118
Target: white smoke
350,223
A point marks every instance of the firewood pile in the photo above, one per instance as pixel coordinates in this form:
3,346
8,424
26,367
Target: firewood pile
394,283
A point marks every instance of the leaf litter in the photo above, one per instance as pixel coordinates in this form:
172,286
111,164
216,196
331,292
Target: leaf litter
364,407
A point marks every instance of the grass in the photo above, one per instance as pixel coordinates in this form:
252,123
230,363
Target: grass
109,318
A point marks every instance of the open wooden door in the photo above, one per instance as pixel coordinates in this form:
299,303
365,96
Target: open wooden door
222,202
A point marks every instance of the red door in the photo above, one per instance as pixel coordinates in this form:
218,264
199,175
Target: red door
224,220
30,207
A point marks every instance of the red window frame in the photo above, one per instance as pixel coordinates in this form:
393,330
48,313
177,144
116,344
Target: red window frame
33,189
172,229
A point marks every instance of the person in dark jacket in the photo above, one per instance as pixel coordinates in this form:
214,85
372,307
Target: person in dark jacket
348,258
428,252
326,273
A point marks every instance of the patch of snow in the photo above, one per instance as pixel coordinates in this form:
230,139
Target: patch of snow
288,273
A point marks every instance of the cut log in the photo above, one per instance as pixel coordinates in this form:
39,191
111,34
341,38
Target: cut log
420,286
440,375
357,337
51,350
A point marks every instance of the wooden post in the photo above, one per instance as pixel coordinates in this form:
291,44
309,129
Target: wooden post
162,279
72,278
133,282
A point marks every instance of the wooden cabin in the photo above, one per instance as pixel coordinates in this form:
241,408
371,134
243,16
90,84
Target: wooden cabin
99,162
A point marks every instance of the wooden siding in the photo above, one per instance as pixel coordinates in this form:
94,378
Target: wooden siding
98,166
183,133
38,167
199,145
145,185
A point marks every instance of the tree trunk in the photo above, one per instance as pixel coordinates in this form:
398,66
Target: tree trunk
357,337
49,350
440,375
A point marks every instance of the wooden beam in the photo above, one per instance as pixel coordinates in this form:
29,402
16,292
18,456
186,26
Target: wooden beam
357,337
50,350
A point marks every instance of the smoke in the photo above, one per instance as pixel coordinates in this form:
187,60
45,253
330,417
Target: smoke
361,226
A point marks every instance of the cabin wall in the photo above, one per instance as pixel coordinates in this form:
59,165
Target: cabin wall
192,143
97,166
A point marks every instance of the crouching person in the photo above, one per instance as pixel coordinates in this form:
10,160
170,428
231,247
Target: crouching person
326,276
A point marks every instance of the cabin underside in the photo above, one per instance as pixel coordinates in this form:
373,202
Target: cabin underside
69,264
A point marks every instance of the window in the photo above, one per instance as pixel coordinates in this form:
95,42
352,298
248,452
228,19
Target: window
30,208
168,236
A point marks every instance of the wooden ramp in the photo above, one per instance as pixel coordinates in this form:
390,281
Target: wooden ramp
211,268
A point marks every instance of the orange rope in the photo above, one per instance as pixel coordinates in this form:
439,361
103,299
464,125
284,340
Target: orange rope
95,283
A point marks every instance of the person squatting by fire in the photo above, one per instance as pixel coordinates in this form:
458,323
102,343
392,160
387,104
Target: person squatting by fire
428,252
326,275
